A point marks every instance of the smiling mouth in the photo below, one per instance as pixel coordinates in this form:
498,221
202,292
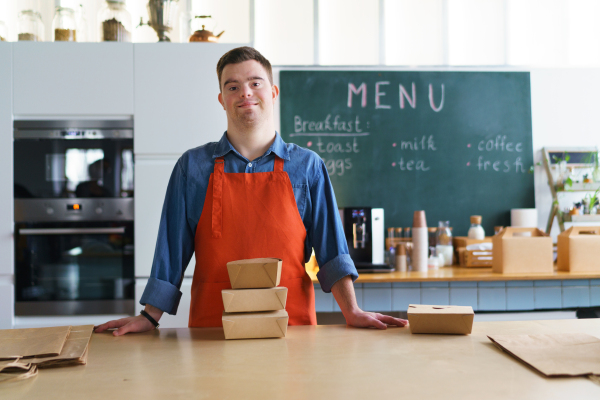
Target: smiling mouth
247,104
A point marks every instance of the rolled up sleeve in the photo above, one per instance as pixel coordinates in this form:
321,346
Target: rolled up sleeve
326,233
174,248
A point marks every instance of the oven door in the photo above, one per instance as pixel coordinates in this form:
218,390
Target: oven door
74,268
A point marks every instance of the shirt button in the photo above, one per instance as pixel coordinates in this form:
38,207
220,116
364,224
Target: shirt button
249,165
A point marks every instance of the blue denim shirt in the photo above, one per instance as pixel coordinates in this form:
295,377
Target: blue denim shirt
185,199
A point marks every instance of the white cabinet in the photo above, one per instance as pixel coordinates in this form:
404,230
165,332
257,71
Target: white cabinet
151,180
6,162
176,89
183,312
73,79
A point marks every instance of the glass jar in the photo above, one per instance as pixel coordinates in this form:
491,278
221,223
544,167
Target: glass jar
444,242
115,22
3,32
30,26
476,230
81,24
64,25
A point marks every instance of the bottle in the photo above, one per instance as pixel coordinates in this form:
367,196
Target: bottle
115,22
476,231
407,233
81,24
64,25
30,26
420,242
398,232
433,262
431,236
444,246
390,250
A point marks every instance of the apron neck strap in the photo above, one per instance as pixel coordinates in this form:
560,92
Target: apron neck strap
278,167
217,211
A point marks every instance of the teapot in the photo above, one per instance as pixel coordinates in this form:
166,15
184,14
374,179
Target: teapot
204,35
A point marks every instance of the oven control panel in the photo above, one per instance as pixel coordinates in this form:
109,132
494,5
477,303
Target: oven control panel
51,210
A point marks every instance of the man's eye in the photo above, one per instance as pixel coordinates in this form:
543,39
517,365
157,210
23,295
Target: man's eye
232,88
256,83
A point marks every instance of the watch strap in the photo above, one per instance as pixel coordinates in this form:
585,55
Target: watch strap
149,318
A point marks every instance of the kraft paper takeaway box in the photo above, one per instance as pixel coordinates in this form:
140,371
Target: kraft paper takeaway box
457,320
252,300
522,250
270,324
579,249
254,273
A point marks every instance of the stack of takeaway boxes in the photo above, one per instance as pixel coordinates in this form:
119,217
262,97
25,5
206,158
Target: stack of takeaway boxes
254,306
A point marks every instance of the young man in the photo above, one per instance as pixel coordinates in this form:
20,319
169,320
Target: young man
248,196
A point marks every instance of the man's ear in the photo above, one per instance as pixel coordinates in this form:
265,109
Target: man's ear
220,97
275,91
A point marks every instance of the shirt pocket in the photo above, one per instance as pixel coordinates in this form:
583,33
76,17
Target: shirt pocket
300,193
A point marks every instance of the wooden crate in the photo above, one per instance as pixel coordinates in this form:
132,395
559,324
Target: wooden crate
474,258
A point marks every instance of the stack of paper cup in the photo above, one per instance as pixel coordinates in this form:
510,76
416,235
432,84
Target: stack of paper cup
524,217
420,242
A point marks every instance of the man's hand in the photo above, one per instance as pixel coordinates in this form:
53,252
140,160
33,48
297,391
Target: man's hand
363,319
343,291
138,323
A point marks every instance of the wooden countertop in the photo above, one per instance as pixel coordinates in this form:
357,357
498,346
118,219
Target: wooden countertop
455,273
322,362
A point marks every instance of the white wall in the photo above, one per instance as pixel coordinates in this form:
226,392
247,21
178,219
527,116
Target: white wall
564,106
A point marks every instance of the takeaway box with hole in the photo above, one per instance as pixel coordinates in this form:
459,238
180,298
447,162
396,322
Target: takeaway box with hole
457,320
579,249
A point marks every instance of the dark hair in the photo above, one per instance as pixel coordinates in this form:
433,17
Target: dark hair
241,54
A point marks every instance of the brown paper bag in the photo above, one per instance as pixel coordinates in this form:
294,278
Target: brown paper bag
570,354
15,370
19,343
73,353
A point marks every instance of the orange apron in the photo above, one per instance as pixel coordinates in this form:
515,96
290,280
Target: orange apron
249,215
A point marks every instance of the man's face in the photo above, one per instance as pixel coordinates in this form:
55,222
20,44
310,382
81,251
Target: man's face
246,93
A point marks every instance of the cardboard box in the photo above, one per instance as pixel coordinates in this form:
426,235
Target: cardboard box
464,241
269,324
252,300
522,254
456,320
254,273
579,249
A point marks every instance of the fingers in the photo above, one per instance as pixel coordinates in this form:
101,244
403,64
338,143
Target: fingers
136,324
116,323
391,320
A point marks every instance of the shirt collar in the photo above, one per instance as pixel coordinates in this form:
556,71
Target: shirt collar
278,147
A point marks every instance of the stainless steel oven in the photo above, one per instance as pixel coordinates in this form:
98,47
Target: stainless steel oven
74,250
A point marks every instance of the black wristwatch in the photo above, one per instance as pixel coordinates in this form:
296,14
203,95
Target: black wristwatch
149,318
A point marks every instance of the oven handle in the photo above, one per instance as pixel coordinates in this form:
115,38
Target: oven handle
71,231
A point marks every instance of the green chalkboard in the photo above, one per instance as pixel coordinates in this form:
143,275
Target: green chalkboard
454,144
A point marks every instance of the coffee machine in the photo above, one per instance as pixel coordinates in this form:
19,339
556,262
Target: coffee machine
364,231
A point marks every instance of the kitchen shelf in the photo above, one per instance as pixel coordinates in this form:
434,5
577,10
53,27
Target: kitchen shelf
580,157
581,218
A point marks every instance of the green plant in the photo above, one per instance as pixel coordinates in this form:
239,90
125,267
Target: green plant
592,199
532,168
566,157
